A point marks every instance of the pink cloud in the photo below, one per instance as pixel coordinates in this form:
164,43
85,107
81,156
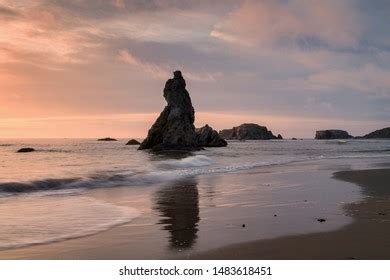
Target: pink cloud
267,22
120,4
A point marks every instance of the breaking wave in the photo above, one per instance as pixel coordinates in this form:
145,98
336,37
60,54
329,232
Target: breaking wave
168,170
194,161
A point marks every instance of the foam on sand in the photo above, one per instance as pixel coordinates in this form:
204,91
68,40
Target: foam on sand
31,220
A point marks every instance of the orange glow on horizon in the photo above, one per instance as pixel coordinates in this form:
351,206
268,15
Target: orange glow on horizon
136,125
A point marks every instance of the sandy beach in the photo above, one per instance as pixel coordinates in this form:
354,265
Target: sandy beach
365,238
269,212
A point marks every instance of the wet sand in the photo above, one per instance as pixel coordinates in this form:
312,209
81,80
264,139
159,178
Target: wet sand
186,217
202,218
366,238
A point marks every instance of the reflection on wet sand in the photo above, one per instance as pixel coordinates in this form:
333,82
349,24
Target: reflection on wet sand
178,206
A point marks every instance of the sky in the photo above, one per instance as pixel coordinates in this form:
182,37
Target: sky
97,68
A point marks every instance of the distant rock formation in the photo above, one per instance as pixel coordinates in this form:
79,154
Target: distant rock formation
247,131
380,133
332,134
25,150
133,142
107,139
279,137
174,129
208,137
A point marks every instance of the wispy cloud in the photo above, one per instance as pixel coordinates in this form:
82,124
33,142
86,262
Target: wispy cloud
369,79
164,71
38,33
6,12
157,71
272,23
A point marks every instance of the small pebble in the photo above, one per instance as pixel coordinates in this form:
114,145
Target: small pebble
321,220
243,225
382,214
275,215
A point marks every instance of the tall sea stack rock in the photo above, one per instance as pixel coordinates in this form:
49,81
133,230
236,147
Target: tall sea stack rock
332,134
247,131
174,129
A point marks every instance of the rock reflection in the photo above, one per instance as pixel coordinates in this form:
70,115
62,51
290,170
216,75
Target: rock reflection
178,206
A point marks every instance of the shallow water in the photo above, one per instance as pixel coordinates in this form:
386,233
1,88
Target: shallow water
39,219
70,188
74,163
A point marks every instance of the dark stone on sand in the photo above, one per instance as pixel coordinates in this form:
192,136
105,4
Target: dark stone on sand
174,129
25,150
279,137
133,142
321,220
107,139
206,136
332,134
243,225
275,215
382,214
247,131
294,138
381,133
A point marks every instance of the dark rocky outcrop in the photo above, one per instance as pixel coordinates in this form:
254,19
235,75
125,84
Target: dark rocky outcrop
174,129
26,150
294,138
133,142
381,133
206,136
247,131
279,137
107,139
332,134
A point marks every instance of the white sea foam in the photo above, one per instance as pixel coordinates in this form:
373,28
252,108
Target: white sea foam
168,170
192,161
32,220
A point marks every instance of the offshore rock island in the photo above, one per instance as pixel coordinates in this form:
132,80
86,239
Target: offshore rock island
332,134
378,134
174,129
248,131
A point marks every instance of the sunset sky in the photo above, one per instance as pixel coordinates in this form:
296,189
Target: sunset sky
96,68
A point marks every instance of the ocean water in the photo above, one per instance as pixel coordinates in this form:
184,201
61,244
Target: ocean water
43,194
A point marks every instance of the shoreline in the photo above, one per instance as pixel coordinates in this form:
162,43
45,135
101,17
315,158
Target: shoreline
365,238
307,192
